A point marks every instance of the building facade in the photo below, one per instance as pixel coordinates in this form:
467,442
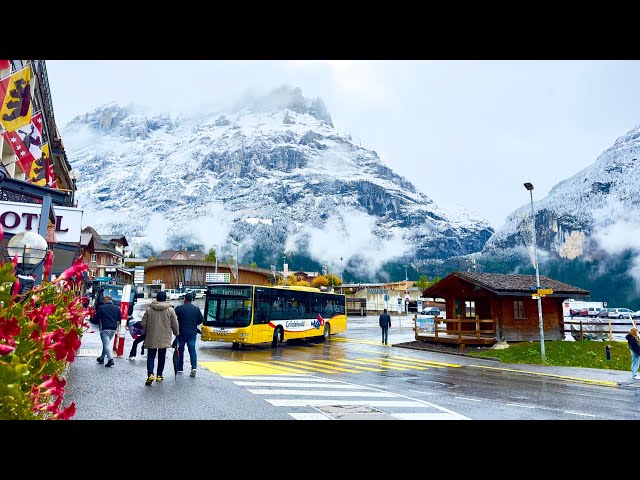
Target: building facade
104,255
45,182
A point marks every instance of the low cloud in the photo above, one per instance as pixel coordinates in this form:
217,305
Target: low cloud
350,234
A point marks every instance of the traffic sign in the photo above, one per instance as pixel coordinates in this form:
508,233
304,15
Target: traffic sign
545,291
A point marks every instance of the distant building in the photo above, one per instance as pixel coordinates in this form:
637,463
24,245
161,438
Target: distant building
181,255
104,255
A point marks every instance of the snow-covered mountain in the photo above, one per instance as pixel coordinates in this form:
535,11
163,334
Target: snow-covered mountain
273,174
594,211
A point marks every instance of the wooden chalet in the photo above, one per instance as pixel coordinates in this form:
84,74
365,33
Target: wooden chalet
483,308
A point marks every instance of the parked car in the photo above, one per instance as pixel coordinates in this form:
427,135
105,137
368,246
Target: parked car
616,313
593,311
579,312
636,314
173,294
435,311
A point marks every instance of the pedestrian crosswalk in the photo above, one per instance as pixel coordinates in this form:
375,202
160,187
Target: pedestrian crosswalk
307,397
333,366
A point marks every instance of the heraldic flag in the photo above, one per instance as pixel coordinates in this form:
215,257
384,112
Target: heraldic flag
39,168
15,94
26,142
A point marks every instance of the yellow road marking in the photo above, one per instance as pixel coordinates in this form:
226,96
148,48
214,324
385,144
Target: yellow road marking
332,369
342,362
237,368
583,380
304,367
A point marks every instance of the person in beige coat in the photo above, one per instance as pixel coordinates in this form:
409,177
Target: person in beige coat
159,321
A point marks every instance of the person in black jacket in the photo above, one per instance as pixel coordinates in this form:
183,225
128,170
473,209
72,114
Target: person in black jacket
634,346
189,317
385,323
108,316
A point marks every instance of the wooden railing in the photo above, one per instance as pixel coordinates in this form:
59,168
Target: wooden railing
461,334
617,326
458,330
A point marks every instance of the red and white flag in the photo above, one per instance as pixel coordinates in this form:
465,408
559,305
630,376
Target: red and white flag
4,64
51,178
26,142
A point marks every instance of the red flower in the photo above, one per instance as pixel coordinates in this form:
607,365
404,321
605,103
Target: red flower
16,288
53,385
8,329
74,271
48,262
67,413
6,349
67,346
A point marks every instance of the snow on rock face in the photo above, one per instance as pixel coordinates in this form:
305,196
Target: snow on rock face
582,213
273,173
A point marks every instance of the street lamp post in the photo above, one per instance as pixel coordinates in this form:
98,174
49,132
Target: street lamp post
284,273
529,186
341,275
233,242
216,256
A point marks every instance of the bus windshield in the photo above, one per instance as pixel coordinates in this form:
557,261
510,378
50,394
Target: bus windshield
230,308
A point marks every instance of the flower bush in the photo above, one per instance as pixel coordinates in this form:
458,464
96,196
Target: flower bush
40,333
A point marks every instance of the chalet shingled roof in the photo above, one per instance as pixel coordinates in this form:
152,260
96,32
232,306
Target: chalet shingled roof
502,283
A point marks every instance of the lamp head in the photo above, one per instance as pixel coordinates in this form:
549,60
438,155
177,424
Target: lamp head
528,186
30,247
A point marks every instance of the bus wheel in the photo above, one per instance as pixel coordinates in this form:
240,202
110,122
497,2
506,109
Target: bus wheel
277,337
327,332
235,346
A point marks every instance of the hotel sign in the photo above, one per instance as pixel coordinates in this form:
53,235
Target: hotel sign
16,217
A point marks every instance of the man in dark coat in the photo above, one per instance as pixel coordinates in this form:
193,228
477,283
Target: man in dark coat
108,317
189,317
385,323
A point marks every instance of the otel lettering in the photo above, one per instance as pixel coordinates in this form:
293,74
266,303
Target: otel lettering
11,220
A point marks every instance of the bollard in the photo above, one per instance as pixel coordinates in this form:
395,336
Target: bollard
608,352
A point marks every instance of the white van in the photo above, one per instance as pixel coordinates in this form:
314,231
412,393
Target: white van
173,294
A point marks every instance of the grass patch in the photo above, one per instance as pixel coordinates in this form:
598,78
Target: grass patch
585,353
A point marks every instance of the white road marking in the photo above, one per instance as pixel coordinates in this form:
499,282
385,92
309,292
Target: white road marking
309,385
518,405
466,398
579,413
320,393
320,402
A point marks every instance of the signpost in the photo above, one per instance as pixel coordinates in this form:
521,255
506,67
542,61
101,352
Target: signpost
218,277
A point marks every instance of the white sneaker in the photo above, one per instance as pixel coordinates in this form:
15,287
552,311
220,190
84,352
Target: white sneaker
131,358
193,373
636,377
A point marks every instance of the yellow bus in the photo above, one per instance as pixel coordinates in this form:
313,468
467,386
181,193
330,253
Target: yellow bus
252,314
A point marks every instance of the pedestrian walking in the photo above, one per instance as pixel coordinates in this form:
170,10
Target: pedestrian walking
159,322
138,334
634,346
107,316
385,324
189,317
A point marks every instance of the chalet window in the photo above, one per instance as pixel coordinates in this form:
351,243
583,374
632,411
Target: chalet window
470,309
93,257
518,310
92,273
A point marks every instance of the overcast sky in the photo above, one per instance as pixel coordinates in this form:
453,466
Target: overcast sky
466,133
